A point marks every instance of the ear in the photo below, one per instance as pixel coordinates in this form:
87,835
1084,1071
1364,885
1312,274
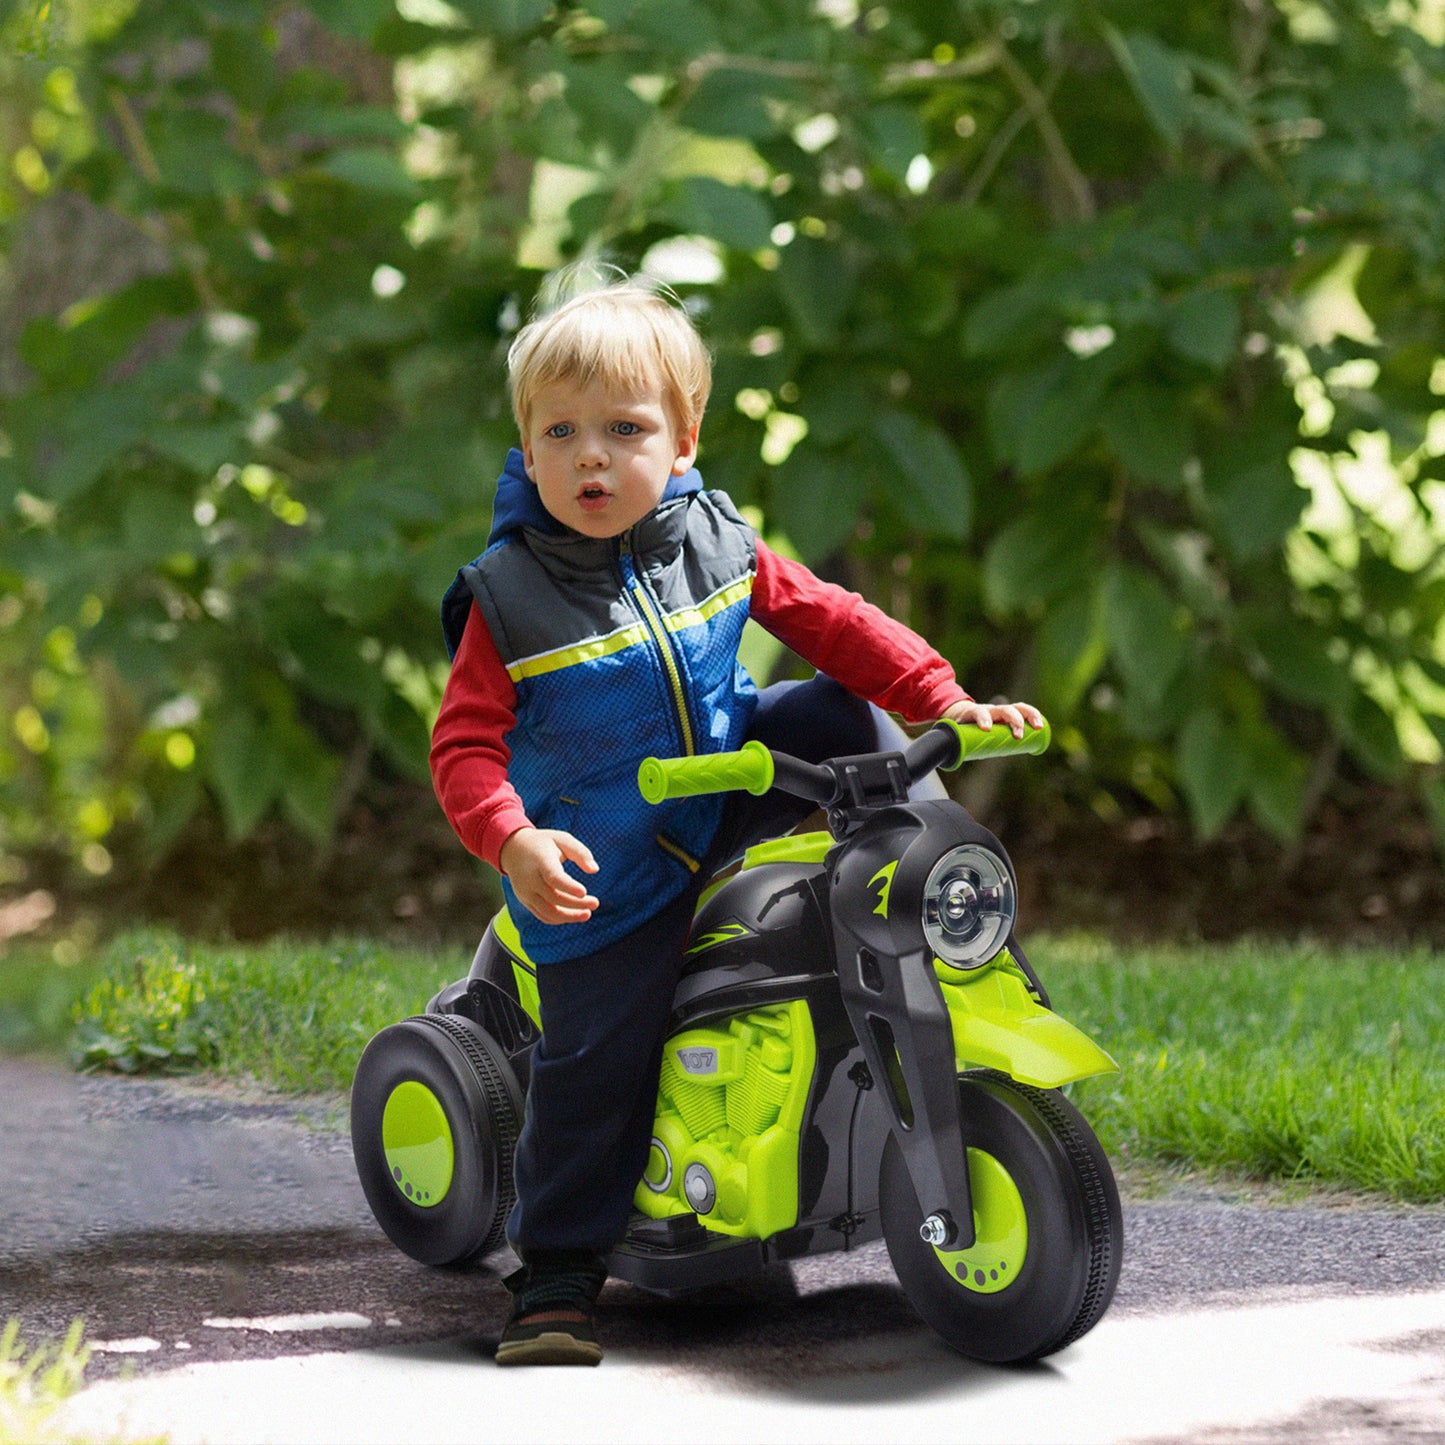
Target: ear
686,451
528,463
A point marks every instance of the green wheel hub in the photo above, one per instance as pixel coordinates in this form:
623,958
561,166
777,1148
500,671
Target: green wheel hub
418,1143
1001,1230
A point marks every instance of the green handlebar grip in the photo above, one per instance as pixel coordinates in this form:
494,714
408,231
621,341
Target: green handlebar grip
749,769
998,741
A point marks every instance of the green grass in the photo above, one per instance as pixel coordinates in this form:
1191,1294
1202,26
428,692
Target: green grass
34,1381
38,997
294,1015
1267,1061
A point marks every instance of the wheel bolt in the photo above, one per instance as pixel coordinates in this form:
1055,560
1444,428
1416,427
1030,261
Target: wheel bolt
937,1230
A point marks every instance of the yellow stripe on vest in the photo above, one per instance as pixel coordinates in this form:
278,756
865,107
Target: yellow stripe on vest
595,647
588,651
709,607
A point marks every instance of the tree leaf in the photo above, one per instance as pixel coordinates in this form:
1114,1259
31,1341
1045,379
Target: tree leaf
157,522
309,785
504,17
835,403
734,103
816,497
1008,317
1212,769
1160,78
1220,122
816,287
358,19
1072,646
244,769
607,107
242,65
1146,427
1205,327
1255,503
892,136
103,424
1036,557
1433,789
953,230
1045,415
1372,738
1299,664
1146,638
201,448
1275,787
372,170
735,215
934,477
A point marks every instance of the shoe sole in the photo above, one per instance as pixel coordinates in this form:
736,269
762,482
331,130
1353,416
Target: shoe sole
555,1347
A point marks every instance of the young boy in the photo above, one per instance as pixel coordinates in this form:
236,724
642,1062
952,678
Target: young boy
600,626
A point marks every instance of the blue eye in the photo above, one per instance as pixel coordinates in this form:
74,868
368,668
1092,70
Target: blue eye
560,431
627,428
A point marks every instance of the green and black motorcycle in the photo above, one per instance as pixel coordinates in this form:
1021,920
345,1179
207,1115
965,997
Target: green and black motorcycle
859,1047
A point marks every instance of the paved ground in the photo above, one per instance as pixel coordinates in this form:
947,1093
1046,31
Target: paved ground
1307,1372
197,1228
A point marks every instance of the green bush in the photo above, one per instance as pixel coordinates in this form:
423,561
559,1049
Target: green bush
1104,346
34,1381
293,1014
147,1014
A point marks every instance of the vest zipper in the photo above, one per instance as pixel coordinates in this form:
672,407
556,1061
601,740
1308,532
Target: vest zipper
650,616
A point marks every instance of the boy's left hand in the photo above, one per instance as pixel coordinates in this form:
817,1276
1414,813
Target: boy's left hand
1016,715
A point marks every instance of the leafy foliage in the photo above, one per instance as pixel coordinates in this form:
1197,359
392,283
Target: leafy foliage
1103,343
35,1379
294,1015
147,1014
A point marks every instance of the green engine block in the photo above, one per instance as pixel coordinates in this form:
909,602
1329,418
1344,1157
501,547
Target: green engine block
729,1110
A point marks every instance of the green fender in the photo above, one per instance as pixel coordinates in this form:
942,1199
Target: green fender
997,1023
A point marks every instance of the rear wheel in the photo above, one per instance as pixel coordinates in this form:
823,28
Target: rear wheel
435,1112
1049,1230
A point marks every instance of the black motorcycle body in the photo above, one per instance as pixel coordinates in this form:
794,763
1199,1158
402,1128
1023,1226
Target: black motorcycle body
858,1048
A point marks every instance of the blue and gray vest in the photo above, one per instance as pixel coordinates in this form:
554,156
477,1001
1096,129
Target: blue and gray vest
619,648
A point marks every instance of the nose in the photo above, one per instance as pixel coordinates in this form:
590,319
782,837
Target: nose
592,454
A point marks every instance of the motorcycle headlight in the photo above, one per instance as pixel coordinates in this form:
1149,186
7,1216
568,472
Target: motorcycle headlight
968,905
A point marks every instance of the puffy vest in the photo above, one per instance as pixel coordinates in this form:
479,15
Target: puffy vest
619,648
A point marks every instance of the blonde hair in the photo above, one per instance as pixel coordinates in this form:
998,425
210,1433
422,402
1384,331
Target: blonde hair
620,334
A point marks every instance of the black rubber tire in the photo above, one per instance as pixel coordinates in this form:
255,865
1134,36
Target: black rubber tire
467,1071
1075,1227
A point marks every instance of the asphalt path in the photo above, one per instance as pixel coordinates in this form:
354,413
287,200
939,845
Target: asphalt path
230,1277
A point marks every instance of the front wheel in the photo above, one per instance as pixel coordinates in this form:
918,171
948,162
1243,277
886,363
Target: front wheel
1049,1231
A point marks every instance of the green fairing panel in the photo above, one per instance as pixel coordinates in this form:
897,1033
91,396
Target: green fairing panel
998,1024
523,969
731,1100
791,848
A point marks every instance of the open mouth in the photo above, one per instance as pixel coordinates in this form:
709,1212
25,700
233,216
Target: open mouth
592,497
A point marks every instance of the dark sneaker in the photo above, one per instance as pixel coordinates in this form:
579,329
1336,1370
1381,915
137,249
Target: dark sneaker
550,1337
552,1311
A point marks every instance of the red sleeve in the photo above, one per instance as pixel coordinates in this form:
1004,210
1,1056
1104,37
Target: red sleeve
468,755
852,641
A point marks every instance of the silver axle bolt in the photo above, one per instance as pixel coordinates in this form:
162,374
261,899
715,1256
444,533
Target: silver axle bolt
937,1230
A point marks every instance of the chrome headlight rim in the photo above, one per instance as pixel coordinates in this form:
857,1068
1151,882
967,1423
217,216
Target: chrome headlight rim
969,906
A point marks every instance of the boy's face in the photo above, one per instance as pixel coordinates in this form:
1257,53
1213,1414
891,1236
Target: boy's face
601,459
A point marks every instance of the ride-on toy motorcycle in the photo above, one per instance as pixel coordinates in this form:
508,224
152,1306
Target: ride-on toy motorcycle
859,1046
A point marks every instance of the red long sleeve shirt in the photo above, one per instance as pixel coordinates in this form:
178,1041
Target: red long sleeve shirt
835,630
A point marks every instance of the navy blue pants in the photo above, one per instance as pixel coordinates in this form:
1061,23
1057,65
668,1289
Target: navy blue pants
593,1094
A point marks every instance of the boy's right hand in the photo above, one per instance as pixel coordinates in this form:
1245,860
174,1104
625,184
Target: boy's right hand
532,859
